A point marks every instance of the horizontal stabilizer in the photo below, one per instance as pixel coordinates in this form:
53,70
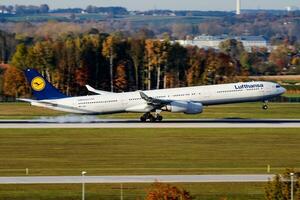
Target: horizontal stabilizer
27,100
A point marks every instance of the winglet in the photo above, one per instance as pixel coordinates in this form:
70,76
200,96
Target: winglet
144,96
91,89
153,101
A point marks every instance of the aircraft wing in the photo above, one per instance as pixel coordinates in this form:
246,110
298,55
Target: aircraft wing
101,92
153,101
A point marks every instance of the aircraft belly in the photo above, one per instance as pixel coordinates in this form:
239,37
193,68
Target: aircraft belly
60,108
98,109
232,100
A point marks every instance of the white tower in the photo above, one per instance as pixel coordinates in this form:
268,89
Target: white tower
238,7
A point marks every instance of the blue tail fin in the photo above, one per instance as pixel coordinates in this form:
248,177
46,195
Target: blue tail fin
41,88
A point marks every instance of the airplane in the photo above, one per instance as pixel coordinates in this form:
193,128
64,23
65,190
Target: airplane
188,100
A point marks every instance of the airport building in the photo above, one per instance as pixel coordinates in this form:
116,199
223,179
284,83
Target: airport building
208,41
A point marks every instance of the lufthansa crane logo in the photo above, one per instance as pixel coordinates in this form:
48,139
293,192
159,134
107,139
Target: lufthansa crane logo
38,83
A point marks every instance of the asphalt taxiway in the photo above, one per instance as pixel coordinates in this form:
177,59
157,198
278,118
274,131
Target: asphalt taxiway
136,179
168,123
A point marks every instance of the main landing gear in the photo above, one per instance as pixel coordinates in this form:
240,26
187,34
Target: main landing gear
265,105
152,118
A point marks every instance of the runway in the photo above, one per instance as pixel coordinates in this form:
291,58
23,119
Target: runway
136,179
57,122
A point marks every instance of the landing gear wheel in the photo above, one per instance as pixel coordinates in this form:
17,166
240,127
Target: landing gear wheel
143,118
265,107
159,118
152,118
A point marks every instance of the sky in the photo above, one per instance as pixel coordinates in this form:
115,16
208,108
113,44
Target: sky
162,4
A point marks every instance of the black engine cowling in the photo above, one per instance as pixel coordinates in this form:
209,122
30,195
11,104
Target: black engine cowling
185,107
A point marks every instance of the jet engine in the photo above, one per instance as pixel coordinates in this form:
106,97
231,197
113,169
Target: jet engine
185,107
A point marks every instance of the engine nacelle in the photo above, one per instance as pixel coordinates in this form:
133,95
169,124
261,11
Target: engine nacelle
185,107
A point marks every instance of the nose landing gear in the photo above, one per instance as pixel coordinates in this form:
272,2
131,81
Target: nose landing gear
265,105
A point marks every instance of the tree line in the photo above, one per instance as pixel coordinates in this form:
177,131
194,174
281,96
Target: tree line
24,9
117,62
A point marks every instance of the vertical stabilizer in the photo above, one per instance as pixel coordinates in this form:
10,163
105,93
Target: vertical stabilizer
40,87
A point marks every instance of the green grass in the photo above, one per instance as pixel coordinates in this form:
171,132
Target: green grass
24,111
147,151
245,110
292,95
143,151
292,87
208,191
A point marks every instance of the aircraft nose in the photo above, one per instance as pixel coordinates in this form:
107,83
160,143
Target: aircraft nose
283,90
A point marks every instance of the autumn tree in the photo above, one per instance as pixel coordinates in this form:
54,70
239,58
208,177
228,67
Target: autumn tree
176,66
280,57
89,57
280,187
14,83
120,80
71,58
67,59
109,51
162,191
41,56
149,51
220,68
157,56
137,51
233,48
296,64
163,53
254,60
93,59
210,67
19,59
196,66
8,44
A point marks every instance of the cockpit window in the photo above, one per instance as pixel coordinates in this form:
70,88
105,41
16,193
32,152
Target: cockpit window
278,86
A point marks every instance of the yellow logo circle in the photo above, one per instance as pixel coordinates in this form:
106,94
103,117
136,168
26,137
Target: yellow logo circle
38,83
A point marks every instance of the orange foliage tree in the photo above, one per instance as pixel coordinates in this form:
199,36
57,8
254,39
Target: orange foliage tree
14,83
120,80
162,191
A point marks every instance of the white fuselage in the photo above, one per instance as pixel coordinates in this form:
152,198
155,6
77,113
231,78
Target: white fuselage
132,101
